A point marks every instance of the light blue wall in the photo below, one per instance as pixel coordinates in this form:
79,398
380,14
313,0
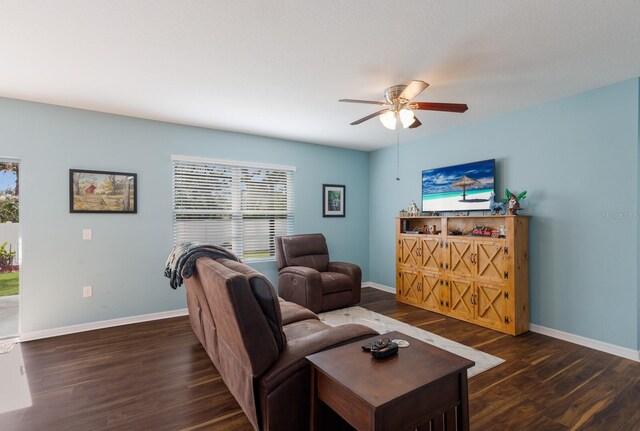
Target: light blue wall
125,260
578,159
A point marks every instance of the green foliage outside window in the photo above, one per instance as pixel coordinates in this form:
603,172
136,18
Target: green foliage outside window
9,205
6,257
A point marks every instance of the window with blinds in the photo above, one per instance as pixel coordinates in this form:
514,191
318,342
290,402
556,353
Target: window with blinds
240,206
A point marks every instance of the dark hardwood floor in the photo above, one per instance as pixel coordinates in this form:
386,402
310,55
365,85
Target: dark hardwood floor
156,376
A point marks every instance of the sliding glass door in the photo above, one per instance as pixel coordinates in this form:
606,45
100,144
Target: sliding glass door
9,247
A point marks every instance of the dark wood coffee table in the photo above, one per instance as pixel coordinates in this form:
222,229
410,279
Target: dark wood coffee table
422,387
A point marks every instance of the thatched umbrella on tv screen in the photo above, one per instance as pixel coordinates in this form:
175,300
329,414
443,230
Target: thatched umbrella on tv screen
464,182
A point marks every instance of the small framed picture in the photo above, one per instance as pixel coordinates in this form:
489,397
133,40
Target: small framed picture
102,192
333,200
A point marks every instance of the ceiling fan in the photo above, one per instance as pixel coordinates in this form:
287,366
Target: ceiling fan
399,105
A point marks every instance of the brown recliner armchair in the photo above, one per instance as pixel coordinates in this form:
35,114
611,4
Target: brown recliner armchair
308,278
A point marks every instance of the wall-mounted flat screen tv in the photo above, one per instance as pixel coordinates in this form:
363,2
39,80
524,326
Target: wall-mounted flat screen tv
458,188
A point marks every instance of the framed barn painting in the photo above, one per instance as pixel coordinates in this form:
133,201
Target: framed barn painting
333,200
102,192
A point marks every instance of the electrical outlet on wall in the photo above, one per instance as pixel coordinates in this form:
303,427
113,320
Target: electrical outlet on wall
87,291
87,234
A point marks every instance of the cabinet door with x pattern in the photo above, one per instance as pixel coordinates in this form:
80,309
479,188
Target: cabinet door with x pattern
490,302
460,298
409,251
431,291
489,260
431,254
408,285
460,256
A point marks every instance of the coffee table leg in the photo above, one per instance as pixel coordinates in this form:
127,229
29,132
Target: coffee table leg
450,419
438,423
314,414
463,411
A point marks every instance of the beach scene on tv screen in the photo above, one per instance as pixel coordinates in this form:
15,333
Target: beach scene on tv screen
458,188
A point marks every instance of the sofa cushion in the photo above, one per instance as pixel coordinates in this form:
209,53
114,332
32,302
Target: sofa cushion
292,312
303,328
333,282
308,250
266,296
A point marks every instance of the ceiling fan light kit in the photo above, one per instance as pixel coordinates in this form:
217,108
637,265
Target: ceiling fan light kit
388,120
406,117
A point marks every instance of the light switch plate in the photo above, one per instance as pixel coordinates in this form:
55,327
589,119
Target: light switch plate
87,234
87,291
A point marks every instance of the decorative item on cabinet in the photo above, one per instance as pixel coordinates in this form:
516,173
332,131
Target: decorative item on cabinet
430,229
513,201
413,210
496,207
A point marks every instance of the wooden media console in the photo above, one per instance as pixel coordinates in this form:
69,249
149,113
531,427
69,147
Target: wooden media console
474,268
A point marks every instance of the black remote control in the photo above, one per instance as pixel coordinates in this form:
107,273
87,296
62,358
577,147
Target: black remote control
381,348
385,352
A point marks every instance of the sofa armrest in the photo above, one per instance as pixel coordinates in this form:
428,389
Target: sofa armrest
292,358
302,271
354,272
301,285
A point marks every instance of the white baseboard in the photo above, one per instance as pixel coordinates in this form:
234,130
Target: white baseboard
587,342
72,329
379,287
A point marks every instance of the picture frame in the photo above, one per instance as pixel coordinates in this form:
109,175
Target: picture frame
333,200
105,192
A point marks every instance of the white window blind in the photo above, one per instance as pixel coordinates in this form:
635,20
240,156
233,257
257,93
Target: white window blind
240,206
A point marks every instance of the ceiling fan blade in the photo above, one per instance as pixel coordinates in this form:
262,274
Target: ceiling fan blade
412,90
369,102
369,117
415,124
446,107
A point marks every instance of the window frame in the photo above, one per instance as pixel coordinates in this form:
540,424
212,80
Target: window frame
237,213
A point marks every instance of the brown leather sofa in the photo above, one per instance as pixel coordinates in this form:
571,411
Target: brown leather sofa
258,342
307,277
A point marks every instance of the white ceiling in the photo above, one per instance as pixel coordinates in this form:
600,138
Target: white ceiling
277,68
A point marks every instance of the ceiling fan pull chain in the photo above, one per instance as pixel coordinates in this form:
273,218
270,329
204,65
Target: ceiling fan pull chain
397,153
